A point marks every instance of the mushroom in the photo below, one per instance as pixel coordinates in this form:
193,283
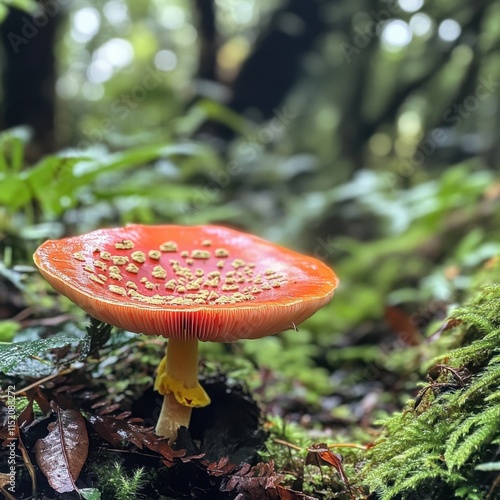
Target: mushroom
188,284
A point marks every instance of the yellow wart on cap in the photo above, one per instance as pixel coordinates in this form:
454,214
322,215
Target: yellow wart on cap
124,245
139,257
154,254
118,290
168,246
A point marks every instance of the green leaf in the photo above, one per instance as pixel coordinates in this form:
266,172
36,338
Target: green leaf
26,5
14,192
489,466
12,145
87,171
14,277
90,493
8,330
53,183
210,110
98,334
11,355
3,12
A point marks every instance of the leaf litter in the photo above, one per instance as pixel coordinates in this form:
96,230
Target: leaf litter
82,421
63,452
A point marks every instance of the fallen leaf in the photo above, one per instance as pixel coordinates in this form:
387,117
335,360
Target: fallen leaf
62,453
447,325
26,416
115,431
256,483
402,325
319,454
288,494
90,494
219,468
42,401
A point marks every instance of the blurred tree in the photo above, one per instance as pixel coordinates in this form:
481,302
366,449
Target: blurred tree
29,73
275,63
208,36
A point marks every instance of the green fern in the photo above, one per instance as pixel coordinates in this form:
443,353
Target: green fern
434,449
485,427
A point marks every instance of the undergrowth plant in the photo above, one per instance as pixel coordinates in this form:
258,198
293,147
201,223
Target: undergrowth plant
439,446
115,483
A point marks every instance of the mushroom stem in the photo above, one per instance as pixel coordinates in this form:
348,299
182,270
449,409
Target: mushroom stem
173,415
177,380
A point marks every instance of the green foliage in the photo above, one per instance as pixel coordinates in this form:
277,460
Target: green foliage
98,334
27,5
14,356
94,180
116,484
90,493
438,444
8,330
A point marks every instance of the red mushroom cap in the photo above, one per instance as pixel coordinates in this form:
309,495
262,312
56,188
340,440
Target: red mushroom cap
206,282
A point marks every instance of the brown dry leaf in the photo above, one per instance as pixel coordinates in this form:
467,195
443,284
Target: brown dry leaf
402,325
447,325
319,454
256,483
220,468
26,417
261,482
116,430
62,453
287,494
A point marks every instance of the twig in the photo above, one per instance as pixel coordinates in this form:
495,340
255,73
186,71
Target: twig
42,381
329,446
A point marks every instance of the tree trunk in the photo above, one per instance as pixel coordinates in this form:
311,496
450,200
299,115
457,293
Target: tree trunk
29,74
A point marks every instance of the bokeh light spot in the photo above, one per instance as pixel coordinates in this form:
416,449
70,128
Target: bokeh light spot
449,30
165,60
396,35
85,24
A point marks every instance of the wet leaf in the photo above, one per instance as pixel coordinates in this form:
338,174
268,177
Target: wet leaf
11,355
117,431
90,494
62,453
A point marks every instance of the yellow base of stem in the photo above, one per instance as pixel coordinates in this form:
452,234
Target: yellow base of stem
177,380
172,416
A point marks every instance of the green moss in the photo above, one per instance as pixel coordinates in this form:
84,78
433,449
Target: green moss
115,483
433,447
